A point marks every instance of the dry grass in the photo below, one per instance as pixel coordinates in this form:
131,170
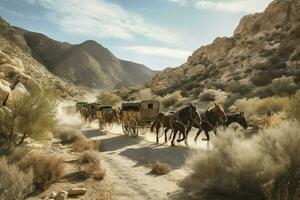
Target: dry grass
284,85
239,168
294,106
160,168
262,106
84,144
47,168
89,165
67,135
14,184
16,154
105,192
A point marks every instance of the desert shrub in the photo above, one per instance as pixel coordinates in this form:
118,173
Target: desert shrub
170,99
160,168
237,87
294,106
33,115
47,168
14,184
108,98
239,168
262,92
84,144
262,106
67,135
284,85
16,154
208,95
260,78
89,165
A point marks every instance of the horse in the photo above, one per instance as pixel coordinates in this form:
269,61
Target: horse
211,119
236,118
165,121
107,117
84,113
188,117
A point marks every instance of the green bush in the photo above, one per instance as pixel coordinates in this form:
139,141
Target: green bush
33,115
108,98
263,167
208,95
260,78
284,85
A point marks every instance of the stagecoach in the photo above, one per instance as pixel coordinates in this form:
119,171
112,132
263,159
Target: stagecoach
80,105
137,116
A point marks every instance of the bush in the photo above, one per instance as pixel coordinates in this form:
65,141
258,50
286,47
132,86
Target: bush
84,144
47,168
160,168
170,99
262,106
14,184
208,95
284,85
33,116
16,154
239,168
108,98
89,165
67,135
260,78
294,106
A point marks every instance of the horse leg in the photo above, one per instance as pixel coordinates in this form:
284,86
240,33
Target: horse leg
182,131
215,132
157,132
207,136
187,133
197,135
170,137
166,131
174,136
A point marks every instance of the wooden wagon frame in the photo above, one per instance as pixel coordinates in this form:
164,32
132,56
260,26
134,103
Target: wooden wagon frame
137,116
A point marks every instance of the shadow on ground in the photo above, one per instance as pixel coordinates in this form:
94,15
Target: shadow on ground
92,133
174,156
118,142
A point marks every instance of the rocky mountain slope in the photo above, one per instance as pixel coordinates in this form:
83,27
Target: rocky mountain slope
20,72
88,63
261,59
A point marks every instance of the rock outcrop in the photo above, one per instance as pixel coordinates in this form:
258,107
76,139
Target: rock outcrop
265,46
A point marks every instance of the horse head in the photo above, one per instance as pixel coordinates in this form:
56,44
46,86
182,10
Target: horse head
242,120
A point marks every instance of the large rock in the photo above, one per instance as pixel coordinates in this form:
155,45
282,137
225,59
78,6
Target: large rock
77,191
19,91
4,90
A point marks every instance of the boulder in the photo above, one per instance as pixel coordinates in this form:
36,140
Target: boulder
61,195
77,191
4,90
19,91
4,58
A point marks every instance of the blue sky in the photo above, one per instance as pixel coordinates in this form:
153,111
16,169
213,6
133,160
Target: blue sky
157,33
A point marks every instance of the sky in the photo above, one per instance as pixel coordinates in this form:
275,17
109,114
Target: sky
156,33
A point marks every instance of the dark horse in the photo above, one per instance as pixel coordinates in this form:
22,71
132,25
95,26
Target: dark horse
211,119
165,121
236,118
189,117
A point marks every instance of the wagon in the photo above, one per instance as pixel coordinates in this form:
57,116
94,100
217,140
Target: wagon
79,105
137,116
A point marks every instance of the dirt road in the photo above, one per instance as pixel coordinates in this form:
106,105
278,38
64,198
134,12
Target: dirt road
128,163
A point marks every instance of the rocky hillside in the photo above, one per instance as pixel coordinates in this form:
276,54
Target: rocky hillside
88,63
20,72
262,58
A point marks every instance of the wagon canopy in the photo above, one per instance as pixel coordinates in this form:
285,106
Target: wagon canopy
147,110
105,108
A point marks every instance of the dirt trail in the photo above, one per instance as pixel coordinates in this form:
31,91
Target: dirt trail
127,161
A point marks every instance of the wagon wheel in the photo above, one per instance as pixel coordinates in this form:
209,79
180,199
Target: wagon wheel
133,127
125,126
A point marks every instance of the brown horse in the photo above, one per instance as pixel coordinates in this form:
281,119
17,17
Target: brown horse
210,120
165,121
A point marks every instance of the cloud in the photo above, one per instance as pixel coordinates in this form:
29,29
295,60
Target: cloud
161,52
247,6
99,18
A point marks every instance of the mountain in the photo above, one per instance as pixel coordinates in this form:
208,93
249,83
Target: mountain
261,59
20,71
88,63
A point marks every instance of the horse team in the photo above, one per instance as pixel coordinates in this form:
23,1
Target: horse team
180,122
